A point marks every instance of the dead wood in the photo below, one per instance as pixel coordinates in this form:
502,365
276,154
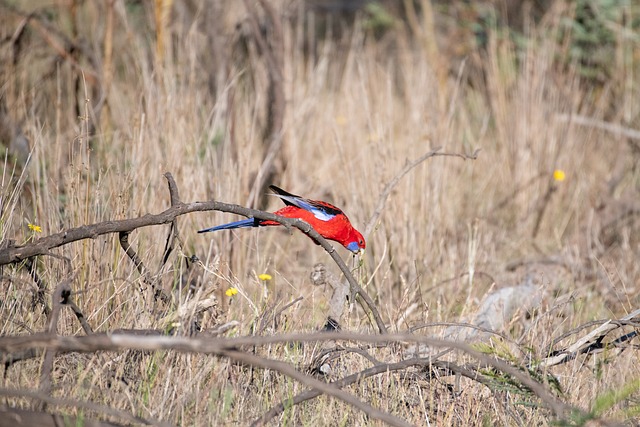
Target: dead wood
8,416
593,341
15,417
231,347
14,254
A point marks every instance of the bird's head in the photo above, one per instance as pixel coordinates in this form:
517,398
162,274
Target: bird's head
356,242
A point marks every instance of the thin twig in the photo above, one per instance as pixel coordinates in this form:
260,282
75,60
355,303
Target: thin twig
330,354
600,124
123,237
286,306
382,199
39,297
271,317
68,301
131,253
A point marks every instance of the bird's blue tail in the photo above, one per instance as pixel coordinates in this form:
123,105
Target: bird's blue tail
249,222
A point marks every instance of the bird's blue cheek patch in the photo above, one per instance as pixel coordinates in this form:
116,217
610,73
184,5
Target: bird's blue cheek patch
353,247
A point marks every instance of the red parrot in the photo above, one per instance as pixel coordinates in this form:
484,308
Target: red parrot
329,221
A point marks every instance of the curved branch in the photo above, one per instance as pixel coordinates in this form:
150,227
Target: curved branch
220,346
382,199
14,254
158,292
173,236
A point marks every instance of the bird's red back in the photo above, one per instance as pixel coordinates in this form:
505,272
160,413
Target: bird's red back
338,228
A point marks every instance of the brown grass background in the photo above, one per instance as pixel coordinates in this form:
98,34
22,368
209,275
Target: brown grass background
359,106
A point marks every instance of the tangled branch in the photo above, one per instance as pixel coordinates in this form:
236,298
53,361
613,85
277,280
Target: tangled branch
43,246
228,346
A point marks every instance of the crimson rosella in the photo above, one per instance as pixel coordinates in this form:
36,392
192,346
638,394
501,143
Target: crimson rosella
329,221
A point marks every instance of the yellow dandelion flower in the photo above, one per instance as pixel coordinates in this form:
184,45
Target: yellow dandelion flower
265,277
34,228
559,175
231,292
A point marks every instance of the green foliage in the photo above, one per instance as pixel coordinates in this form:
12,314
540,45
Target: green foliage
504,382
498,348
152,370
594,32
228,401
595,29
378,19
609,399
605,402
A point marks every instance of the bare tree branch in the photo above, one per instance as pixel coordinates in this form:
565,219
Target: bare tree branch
158,292
107,410
586,343
173,231
42,246
381,368
321,386
221,346
68,301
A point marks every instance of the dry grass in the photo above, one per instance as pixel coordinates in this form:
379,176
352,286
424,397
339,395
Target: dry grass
356,112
